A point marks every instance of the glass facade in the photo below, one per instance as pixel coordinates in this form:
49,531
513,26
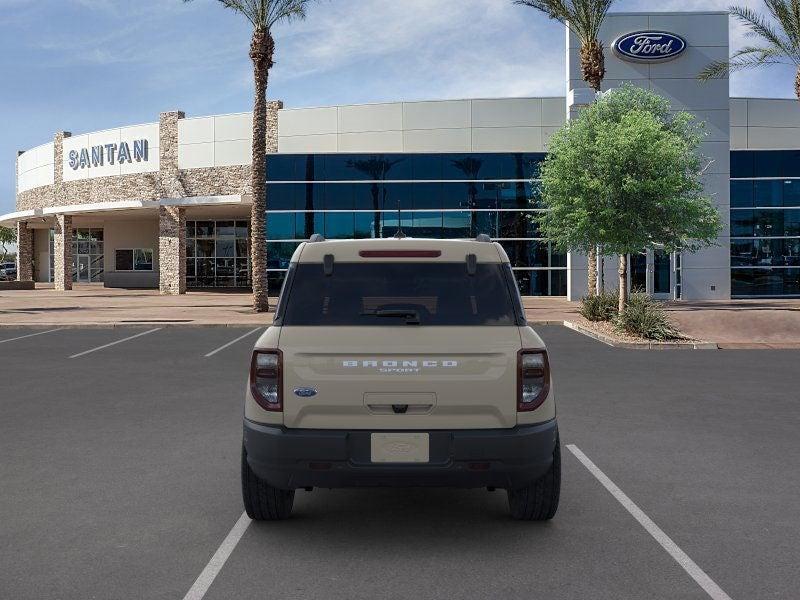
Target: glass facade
352,196
765,223
217,254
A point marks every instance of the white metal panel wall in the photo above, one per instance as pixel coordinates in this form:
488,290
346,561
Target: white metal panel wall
215,141
765,124
35,167
484,125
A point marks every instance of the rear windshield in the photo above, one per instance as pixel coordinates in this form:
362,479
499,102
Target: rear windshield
399,294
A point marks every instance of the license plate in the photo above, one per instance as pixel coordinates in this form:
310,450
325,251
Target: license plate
400,447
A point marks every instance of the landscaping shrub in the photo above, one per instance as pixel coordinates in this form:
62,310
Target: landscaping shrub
644,317
601,307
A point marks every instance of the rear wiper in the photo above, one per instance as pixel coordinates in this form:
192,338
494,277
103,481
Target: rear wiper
412,316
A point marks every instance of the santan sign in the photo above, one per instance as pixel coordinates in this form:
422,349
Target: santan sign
97,156
649,46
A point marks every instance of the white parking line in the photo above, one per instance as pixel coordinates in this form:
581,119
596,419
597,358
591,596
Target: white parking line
214,566
232,342
695,572
22,337
115,343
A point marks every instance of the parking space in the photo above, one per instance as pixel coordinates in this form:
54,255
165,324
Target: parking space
120,480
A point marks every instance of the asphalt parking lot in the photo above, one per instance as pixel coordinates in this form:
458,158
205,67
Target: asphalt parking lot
119,478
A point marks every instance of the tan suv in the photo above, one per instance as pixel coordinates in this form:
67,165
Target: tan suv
400,362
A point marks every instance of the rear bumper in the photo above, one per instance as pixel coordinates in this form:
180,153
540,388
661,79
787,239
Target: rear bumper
297,458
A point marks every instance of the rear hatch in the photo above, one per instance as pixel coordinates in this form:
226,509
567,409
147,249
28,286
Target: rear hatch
409,378
400,345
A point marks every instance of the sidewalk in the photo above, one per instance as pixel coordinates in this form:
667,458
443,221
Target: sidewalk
89,305
733,324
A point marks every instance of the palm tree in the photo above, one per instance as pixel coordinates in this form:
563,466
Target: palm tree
263,15
584,19
779,41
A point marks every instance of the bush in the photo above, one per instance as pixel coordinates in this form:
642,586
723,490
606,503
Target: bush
644,317
602,307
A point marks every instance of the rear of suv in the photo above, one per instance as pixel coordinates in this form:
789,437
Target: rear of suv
400,362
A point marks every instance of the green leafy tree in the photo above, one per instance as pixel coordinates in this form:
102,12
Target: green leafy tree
626,174
584,19
8,236
263,15
778,40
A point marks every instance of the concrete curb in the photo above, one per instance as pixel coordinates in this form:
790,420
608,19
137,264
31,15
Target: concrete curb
640,345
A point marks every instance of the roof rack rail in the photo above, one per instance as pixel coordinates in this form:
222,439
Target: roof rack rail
317,237
482,237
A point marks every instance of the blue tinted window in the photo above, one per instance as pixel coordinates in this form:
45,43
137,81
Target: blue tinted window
790,166
765,282
367,196
311,196
279,254
281,167
741,194
742,223
427,195
310,167
426,166
465,166
426,224
791,222
487,222
280,226
791,192
308,223
339,196
768,193
768,163
282,196
365,225
394,195
454,195
390,220
742,164
339,225
457,225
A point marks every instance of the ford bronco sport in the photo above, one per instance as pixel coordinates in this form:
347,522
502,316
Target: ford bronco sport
400,362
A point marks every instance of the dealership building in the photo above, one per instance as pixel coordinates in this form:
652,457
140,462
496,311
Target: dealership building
167,204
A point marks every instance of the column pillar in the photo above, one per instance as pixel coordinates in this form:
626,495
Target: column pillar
171,250
62,250
24,252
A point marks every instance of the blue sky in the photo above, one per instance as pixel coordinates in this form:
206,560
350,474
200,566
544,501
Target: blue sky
84,65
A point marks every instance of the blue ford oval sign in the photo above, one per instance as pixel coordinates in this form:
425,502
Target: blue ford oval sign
649,46
305,392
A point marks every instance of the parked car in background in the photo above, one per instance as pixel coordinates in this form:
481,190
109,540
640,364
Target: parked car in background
8,271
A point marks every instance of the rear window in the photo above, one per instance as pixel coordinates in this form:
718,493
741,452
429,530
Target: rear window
399,294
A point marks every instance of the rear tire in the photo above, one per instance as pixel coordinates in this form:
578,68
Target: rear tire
539,500
262,502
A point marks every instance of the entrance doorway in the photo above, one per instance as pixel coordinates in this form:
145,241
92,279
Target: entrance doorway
652,272
87,253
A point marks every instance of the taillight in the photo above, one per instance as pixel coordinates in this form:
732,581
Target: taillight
533,379
266,379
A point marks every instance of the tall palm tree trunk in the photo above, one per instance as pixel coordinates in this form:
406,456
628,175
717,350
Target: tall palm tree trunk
262,48
593,70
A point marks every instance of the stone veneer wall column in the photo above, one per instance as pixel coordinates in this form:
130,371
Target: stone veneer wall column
171,250
24,252
171,219
62,248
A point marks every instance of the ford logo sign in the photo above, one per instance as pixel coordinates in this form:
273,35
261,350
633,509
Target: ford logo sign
305,392
649,46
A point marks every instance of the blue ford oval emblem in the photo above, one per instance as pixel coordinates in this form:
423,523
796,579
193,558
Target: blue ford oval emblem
305,392
649,46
